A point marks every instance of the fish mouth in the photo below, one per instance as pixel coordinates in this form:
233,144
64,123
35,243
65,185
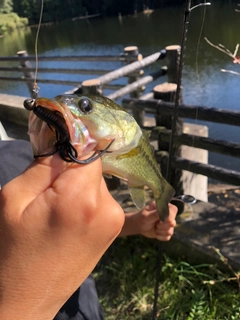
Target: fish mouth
47,111
51,112
54,119
59,117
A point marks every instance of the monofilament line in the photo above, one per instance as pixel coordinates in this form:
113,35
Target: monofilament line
35,86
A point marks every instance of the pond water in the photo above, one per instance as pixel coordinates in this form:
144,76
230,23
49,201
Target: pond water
203,82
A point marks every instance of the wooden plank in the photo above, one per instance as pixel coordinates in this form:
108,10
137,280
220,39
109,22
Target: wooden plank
61,82
185,111
214,172
121,72
136,84
106,58
213,145
56,70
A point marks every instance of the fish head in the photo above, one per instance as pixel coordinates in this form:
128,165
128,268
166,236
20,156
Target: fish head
54,115
92,122
104,119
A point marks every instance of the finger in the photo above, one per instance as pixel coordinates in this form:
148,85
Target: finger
42,173
151,206
164,234
171,219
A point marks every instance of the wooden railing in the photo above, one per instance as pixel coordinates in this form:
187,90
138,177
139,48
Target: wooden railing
159,102
162,134
132,70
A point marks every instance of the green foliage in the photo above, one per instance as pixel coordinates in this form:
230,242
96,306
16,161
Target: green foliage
126,277
58,10
6,6
8,22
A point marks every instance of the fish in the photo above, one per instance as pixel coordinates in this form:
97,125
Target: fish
93,122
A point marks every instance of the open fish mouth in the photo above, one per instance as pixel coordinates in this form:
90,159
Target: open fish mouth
55,119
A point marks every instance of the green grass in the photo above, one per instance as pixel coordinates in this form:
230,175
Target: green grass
125,280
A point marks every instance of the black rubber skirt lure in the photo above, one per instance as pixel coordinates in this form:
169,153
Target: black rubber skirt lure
63,145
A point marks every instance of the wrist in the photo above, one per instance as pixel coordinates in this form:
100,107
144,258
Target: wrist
131,225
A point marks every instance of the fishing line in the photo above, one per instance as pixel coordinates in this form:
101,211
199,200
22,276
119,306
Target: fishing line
35,86
197,57
200,36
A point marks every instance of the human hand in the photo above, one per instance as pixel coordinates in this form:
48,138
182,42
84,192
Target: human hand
53,231
147,223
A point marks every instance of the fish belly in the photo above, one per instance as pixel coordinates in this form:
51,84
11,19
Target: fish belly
140,168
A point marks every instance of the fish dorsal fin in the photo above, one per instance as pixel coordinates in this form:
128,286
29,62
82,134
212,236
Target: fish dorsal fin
146,136
138,196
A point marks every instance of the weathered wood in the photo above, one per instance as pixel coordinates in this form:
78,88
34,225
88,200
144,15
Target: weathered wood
167,92
195,184
211,171
106,58
61,82
121,72
172,61
214,172
213,145
132,53
91,86
56,70
137,84
185,111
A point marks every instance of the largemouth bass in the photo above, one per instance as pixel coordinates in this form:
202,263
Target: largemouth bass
91,123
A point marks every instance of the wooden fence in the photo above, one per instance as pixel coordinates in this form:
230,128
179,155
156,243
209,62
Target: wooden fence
159,103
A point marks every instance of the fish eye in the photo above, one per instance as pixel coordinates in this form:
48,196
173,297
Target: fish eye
85,105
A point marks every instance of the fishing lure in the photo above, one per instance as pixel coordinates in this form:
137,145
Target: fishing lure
63,145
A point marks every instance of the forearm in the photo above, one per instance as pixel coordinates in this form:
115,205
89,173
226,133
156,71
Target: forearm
131,225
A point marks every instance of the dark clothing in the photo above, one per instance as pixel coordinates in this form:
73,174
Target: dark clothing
15,157
83,304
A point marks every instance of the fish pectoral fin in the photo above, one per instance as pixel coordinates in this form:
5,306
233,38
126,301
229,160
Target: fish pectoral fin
138,196
133,153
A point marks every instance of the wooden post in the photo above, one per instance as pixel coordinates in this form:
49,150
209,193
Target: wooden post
172,61
91,86
28,75
167,92
132,54
195,184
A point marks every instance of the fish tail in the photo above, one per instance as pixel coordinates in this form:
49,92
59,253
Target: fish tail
163,200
